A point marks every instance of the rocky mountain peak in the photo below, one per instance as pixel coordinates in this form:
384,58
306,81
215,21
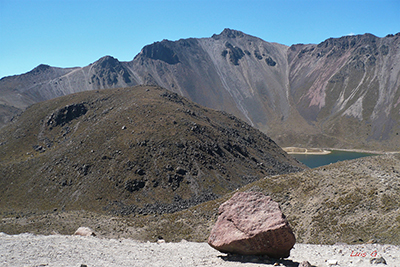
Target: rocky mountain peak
40,69
229,33
160,51
107,62
393,35
109,72
346,42
268,85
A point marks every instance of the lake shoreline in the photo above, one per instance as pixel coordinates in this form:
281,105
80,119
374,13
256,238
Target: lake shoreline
317,157
306,151
326,151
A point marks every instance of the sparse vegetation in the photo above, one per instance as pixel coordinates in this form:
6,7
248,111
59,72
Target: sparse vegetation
140,150
145,163
335,210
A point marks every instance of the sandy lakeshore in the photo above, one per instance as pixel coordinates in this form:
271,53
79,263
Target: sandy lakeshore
61,250
306,151
326,151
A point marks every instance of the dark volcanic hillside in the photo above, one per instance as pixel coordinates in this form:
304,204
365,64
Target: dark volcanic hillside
343,92
134,150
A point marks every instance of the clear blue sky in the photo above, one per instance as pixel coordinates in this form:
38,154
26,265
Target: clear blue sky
69,33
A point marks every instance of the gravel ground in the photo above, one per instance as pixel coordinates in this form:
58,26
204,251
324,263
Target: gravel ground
62,250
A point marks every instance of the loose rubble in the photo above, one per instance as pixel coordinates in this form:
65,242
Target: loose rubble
71,250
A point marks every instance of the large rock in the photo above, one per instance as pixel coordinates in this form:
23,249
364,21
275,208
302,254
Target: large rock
252,224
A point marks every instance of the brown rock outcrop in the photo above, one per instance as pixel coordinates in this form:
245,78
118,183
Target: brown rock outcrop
251,223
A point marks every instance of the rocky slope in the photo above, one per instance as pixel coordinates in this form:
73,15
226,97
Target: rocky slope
350,202
349,88
343,92
136,150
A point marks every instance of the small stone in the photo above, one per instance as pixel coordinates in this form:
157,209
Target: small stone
377,260
123,127
37,148
140,171
84,231
160,241
305,264
332,262
181,171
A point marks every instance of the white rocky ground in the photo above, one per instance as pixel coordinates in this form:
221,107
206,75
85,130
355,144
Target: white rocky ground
60,250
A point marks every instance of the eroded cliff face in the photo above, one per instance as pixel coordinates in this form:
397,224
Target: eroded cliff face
238,73
349,87
343,92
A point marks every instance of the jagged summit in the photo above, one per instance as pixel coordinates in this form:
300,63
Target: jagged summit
39,69
107,62
160,51
109,72
343,92
229,33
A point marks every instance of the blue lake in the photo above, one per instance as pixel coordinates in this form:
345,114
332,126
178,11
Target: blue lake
314,161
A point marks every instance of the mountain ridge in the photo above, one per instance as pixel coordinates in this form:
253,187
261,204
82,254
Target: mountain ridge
343,92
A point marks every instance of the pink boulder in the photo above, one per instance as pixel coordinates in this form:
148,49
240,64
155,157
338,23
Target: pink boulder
252,224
